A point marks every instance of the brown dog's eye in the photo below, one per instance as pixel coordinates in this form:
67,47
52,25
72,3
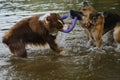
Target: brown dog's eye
59,26
48,18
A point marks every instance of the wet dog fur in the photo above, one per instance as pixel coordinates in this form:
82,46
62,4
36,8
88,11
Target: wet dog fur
110,23
36,30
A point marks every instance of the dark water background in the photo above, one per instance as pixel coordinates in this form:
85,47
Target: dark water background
77,63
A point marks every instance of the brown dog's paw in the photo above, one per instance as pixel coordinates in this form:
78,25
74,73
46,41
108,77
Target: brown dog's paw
60,49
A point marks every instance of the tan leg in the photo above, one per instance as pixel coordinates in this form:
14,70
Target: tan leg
97,33
116,34
98,38
99,42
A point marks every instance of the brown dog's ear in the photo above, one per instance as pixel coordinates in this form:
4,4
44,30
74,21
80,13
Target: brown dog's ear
85,4
48,18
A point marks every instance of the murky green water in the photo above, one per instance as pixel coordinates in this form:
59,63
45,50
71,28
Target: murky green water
78,62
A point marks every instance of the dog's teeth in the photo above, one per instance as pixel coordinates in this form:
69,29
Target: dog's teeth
65,27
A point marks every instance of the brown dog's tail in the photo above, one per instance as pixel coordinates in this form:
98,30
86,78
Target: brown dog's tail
5,41
5,38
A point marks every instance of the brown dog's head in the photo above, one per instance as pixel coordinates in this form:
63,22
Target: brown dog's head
53,22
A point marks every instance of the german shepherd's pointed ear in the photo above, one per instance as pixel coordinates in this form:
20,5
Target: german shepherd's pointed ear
77,14
85,4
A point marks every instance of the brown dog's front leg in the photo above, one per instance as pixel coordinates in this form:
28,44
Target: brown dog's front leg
53,45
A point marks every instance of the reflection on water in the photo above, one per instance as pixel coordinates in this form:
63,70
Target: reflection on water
77,63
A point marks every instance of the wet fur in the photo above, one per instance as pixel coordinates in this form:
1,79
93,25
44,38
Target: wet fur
110,23
33,31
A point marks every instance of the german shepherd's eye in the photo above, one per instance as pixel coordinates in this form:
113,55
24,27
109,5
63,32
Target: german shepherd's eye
94,18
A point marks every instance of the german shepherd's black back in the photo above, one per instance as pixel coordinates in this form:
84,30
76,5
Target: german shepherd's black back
111,20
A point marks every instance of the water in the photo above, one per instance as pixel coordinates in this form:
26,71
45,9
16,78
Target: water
76,63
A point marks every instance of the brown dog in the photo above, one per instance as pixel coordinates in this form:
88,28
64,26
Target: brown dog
36,30
104,22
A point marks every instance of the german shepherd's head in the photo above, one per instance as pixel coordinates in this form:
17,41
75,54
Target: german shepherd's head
84,11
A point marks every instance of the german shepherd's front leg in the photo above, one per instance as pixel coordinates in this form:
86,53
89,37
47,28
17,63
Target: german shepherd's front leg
97,30
97,34
97,37
90,38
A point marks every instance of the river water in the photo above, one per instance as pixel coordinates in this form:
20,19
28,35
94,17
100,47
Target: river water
76,63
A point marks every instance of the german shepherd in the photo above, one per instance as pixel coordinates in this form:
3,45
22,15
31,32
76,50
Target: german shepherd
96,24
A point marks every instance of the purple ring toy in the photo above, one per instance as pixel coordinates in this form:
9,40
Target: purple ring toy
72,25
